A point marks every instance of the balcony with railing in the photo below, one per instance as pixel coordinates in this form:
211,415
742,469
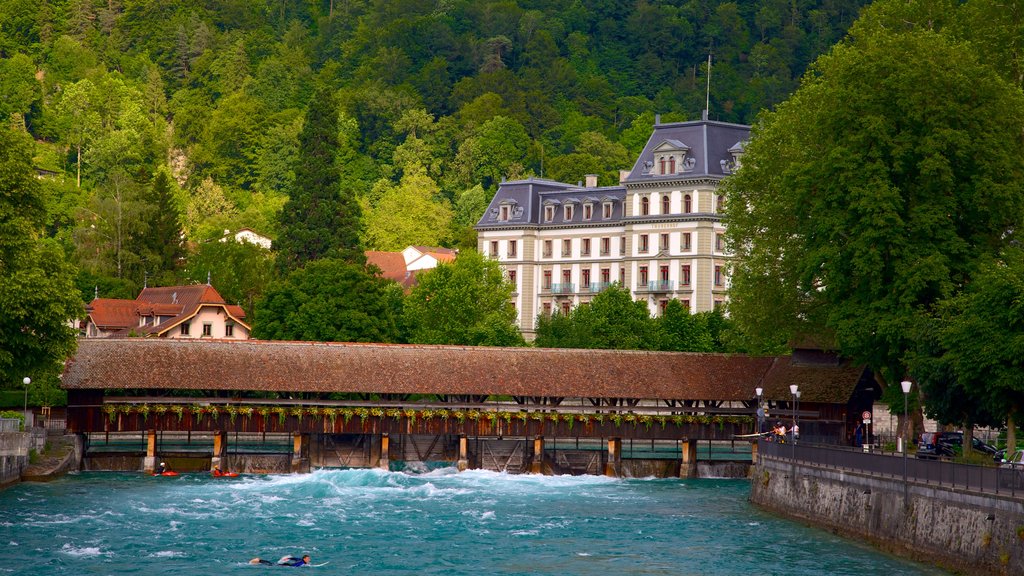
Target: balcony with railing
596,287
656,286
563,288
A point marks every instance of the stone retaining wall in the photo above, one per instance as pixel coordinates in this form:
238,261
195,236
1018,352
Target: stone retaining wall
966,531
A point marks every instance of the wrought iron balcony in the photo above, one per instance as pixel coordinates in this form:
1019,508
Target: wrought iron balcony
563,288
656,286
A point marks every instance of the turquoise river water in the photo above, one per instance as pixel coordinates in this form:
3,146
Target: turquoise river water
375,522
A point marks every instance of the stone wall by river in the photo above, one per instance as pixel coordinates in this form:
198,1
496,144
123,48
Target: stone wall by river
965,531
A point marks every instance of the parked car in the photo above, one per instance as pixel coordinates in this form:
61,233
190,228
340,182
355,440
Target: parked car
1016,460
1011,471
946,444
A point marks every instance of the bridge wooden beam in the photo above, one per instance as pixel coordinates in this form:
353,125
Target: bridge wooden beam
149,464
220,441
537,465
463,463
688,464
614,466
384,461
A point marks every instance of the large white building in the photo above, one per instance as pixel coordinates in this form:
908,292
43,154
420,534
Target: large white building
658,231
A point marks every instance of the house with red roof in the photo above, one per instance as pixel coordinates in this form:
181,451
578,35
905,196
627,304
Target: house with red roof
403,266
196,311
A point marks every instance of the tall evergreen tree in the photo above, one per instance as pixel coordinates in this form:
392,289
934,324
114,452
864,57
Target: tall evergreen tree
161,246
320,219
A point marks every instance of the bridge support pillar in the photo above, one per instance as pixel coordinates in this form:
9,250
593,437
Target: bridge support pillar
300,443
537,465
220,441
149,464
463,463
614,466
384,462
753,453
688,465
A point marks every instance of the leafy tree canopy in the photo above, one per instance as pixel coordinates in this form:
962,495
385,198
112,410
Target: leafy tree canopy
37,291
870,195
465,302
612,320
332,301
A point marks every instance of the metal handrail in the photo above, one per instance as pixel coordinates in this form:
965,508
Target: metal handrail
1004,481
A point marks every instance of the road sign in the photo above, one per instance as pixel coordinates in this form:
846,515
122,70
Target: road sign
867,420
866,415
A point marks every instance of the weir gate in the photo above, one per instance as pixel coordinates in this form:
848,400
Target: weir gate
252,406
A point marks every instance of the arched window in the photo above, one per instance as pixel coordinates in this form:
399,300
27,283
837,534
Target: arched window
645,206
666,204
687,204
719,203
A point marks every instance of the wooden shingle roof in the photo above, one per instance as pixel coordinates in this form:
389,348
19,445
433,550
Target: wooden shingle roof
410,369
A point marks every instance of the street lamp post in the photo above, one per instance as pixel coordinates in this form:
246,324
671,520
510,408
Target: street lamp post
760,410
796,419
906,392
793,388
26,381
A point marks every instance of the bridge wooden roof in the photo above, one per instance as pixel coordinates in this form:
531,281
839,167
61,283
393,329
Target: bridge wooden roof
416,369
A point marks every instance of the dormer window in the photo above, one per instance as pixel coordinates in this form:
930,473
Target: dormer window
588,211
606,210
567,212
672,157
732,164
503,213
549,213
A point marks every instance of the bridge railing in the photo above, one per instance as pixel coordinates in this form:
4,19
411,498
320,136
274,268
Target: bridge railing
1008,481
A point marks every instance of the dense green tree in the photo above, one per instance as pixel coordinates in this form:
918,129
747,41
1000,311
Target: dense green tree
496,150
594,154
208,211
18,85
241,271
612,320
37,291
161,243
466,302
982,337
330,300
685,332
872,193
321,219
408,214
76,111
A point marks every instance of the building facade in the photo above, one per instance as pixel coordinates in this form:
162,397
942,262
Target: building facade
194,311
658,231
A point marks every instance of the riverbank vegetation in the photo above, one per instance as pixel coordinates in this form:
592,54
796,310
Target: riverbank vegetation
879,209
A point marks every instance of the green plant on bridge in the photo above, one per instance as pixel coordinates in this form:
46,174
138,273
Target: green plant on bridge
411,415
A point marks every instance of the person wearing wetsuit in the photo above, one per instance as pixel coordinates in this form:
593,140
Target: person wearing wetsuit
293,561
160,469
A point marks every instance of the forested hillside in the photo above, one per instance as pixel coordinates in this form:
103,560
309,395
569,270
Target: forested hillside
159,124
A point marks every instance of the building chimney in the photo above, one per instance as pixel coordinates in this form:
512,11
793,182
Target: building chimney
623,174
591,180
657,119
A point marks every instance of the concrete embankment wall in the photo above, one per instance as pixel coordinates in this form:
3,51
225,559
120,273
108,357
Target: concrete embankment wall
966,531
15,448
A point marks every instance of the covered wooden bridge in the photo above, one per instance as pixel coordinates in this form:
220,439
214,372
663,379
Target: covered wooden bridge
402,402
